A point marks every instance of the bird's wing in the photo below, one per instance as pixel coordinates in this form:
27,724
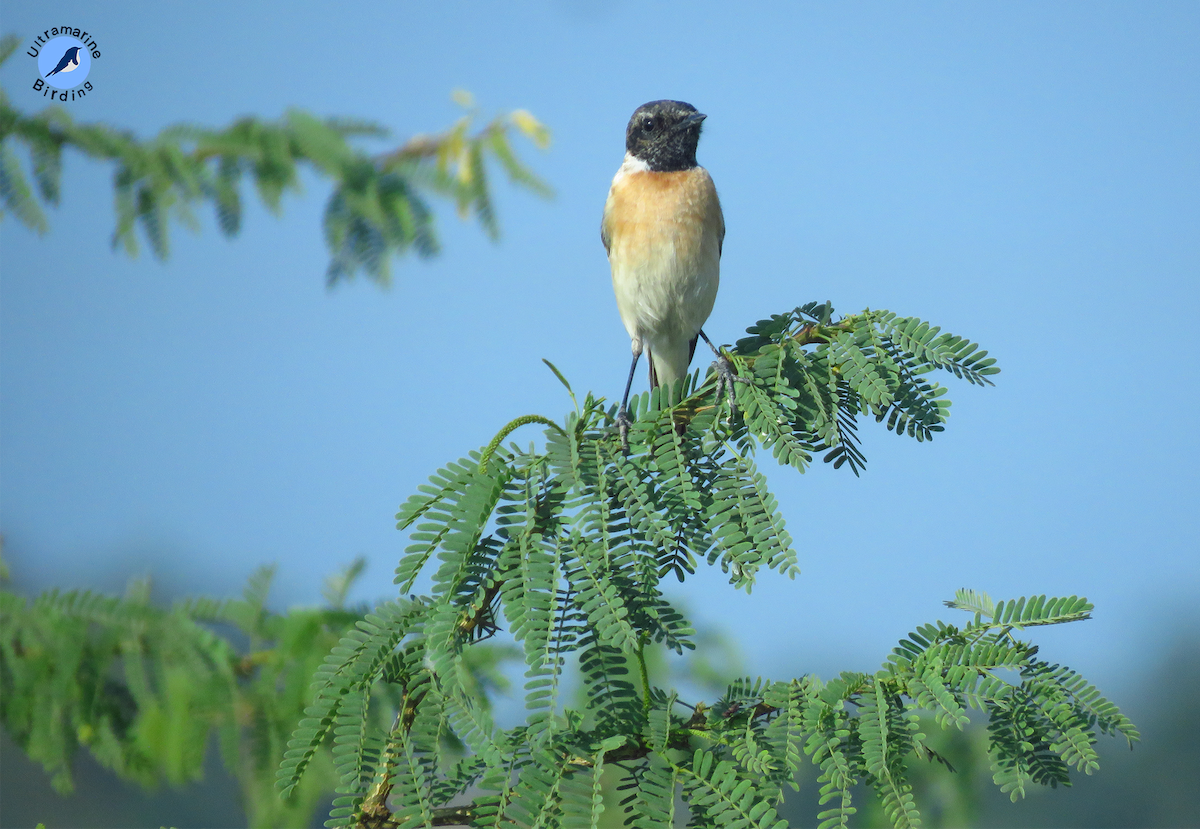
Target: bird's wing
606,230
721,241
604,234
721,234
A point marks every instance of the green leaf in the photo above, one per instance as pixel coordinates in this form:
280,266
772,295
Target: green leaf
16,194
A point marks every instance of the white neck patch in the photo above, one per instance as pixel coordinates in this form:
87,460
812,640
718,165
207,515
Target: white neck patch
633,164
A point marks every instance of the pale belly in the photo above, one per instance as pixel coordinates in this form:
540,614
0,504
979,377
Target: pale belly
666,293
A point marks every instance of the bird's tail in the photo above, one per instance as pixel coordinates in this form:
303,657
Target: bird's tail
669,361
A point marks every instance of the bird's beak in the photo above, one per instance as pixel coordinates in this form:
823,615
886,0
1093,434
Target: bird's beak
692,120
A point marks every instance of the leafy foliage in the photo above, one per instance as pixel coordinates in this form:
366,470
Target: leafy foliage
874,363
566,546
142,688
379,207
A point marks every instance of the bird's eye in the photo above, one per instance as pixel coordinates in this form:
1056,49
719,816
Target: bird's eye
647,124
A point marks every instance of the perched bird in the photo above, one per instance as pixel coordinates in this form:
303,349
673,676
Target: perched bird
663,230
69,62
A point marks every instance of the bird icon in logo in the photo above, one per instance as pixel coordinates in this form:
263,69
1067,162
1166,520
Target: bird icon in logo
69,62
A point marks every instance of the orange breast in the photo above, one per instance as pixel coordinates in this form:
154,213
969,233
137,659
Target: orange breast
651,214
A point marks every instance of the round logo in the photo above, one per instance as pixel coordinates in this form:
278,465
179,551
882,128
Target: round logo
64,62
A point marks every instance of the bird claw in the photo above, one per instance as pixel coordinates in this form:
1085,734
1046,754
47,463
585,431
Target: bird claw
726,377
623,424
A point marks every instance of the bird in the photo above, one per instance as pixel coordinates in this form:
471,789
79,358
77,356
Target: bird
664,231
69,62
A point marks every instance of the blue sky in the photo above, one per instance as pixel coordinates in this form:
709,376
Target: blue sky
1025,174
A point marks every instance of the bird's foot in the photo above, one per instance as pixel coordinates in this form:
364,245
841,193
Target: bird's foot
623,424
726,377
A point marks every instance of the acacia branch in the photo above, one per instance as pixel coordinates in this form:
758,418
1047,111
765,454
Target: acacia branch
376,815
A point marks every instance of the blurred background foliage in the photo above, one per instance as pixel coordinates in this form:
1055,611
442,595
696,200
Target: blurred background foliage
379,207
169,696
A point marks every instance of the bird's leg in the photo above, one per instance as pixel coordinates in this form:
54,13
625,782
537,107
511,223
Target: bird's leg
726,376
623,422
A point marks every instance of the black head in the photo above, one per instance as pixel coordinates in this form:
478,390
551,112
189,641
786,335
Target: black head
664,134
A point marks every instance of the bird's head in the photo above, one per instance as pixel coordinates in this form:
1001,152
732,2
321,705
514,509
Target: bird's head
664,134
